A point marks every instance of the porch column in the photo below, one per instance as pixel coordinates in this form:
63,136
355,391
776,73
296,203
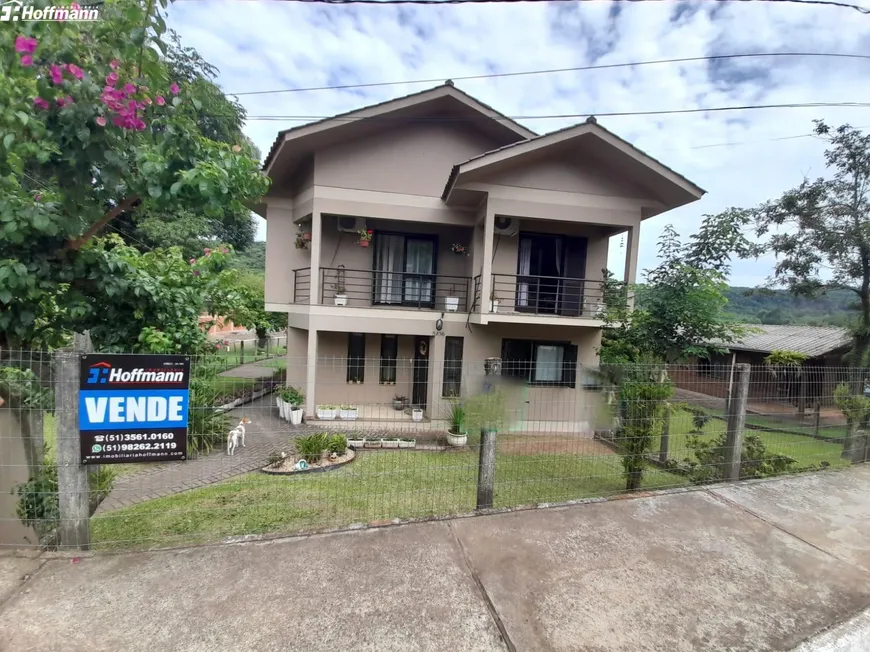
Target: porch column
316,244
311,369
486,275
632,245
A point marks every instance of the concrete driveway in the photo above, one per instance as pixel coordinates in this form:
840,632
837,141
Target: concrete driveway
757,566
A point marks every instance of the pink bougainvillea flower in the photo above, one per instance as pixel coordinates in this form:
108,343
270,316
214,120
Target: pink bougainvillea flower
64,101
75,5
196,272
40,103
26,60
25,44
207,252
101,121
193,261
129,88
160,100
174,89
139,125
112,78
75,71
38,197
56,74
113,64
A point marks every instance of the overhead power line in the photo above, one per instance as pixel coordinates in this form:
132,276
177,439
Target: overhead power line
830,3
557,116
604,66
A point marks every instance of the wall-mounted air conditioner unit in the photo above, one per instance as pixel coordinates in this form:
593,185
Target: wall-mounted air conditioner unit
506,225
350,224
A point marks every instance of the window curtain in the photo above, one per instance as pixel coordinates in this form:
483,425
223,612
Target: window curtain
548,363
525,270
419,264
388,268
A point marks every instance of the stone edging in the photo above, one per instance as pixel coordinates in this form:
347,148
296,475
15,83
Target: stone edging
311,469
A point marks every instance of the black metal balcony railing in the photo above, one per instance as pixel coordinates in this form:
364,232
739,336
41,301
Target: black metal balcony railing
363,288
302,285
546,295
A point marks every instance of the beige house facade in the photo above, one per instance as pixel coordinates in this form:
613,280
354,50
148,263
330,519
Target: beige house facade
487,241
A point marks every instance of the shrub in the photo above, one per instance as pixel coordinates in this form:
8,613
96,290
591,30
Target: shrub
456,418
700,421
208,428
337,444
755,461
309,448
292,396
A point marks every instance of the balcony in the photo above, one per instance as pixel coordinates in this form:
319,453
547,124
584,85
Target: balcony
360,288
544,296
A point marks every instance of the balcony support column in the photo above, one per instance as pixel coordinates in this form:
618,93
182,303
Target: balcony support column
486,273
632,246
316,243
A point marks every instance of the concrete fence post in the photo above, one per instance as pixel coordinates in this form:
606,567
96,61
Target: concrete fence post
242,352
486,460
736,421
72,477
665,443
817,418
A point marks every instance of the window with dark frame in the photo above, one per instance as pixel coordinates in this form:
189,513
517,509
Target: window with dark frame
356,357
389,355
541,363
452,384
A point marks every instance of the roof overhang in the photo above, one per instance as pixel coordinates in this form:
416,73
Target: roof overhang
665,185
443,102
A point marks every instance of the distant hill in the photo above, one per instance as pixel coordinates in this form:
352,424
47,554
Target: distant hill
253,258
754,306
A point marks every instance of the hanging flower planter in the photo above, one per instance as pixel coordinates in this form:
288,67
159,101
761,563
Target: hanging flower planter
306,235
365,237
459,249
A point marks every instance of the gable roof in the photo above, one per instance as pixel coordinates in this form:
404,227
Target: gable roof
687,191
812,341
406,102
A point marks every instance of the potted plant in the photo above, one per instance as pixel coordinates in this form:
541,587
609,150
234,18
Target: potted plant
493,301
365,237
372,442
390,442
407,442
417,414
294,400
326,412
459,250
451,303
348,412
302,241
399,402
306,235
340,294
456,433
281,402
356,442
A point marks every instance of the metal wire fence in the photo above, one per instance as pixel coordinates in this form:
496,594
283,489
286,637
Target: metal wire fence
354,441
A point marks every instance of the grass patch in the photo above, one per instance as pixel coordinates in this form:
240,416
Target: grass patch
378,485
806,450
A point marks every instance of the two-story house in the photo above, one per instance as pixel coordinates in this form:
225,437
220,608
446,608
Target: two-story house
410,240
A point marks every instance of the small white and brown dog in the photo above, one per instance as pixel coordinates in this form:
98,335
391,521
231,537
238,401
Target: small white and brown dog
237,436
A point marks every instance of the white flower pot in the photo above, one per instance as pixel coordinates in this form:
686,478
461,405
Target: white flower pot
326,415
282,408
372,443
389,443
356,443
348,415
457,440
451,304
416,414
407,444
341,299
493,305
295,415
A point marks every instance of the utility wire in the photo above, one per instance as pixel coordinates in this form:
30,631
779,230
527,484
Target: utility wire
605,66
559,116
829,3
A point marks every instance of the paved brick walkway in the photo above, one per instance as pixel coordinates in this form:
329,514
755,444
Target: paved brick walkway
266,434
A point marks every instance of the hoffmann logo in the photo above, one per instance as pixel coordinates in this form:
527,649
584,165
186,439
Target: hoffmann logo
102,373
15,10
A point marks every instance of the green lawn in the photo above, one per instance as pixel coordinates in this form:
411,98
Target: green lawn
377,485
806,450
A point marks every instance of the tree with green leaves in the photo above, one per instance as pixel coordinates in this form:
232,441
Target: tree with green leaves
820,230
93,126
683,300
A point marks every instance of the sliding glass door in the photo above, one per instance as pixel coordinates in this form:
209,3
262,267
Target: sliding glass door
404,270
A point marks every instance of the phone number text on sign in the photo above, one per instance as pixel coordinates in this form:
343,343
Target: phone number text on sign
123,447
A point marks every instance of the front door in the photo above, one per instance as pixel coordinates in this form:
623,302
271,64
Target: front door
420,380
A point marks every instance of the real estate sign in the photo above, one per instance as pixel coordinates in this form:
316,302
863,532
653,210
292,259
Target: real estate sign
133,408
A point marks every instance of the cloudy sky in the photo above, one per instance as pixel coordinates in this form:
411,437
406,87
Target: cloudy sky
739,157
